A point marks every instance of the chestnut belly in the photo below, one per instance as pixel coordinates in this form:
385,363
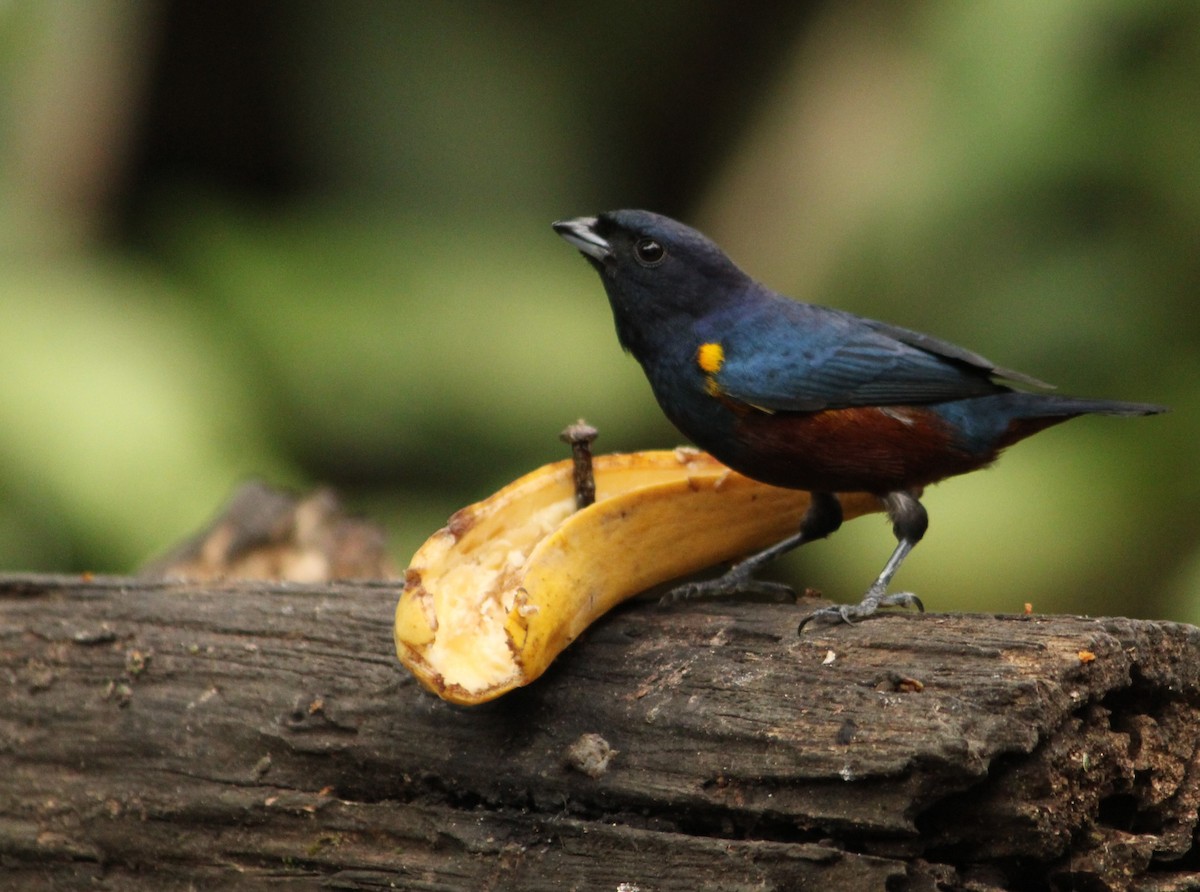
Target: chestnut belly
869,449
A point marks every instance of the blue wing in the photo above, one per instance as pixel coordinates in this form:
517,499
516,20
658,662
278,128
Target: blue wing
782,355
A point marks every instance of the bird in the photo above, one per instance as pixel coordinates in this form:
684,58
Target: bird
806,396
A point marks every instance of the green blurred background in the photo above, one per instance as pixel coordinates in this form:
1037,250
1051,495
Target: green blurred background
309,242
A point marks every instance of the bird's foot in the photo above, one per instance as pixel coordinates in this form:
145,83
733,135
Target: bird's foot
731,583
874,599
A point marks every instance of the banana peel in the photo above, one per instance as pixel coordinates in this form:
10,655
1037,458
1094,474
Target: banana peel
494,596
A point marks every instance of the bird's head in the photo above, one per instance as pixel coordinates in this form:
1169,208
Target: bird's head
658,272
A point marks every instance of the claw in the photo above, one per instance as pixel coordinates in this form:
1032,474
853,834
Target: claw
848,613
725,586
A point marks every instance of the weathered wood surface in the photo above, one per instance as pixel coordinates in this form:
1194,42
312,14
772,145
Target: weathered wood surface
173,737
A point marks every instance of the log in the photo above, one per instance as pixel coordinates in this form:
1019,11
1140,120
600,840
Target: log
158,735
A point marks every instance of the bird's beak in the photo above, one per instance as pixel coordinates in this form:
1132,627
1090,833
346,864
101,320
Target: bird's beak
581,233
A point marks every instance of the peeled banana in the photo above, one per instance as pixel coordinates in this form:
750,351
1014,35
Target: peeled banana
494,596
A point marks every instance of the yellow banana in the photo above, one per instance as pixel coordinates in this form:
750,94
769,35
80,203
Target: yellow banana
495,595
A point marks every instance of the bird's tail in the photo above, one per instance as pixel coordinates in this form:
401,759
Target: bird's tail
1002,419
1032,412
1049,405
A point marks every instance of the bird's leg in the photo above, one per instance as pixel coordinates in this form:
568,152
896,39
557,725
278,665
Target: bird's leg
909,522
824,516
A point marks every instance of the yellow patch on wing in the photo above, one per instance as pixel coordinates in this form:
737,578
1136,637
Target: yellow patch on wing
710,357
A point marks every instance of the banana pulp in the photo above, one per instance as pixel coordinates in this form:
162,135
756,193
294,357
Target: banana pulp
495,595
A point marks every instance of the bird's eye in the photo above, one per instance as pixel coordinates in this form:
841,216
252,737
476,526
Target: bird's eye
649,252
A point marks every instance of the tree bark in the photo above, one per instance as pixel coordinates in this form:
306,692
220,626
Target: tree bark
168,736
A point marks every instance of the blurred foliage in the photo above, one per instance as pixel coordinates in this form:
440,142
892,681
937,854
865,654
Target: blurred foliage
311,243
